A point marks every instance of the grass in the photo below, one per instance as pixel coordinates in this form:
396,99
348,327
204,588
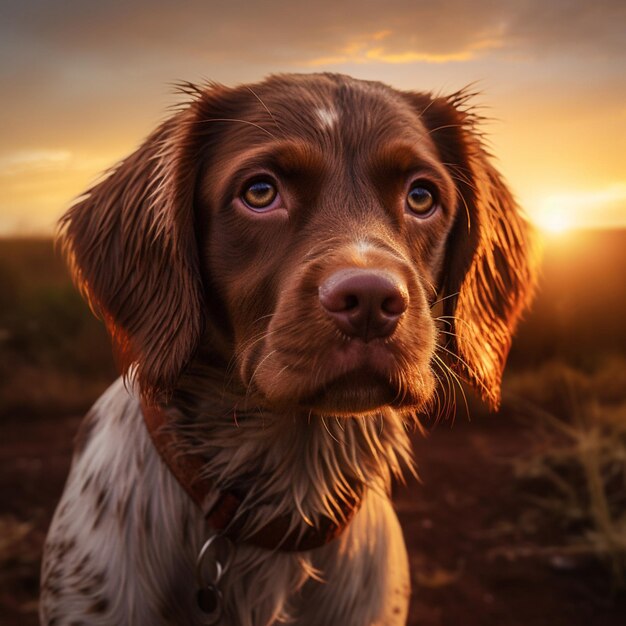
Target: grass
13,538
575,466
56,357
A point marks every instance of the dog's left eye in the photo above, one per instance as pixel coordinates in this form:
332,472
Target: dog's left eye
260,195
421,200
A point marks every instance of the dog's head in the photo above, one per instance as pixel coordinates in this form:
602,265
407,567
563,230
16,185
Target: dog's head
304,228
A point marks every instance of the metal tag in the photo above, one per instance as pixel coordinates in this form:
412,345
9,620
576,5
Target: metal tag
213,560
210,602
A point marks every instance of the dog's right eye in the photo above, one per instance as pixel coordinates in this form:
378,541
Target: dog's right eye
421,200
261,195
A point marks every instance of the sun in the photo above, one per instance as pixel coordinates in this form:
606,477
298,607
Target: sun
555,223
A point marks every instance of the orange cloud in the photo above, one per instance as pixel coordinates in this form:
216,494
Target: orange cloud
33,160
368,49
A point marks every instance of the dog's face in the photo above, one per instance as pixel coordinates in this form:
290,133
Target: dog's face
326,234
306,226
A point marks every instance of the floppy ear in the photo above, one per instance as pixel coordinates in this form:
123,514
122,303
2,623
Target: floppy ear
131,244
490,268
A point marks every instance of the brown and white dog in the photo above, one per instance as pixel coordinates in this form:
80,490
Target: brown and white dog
267,264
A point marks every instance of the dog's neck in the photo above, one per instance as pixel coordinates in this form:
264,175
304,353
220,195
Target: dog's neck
291,462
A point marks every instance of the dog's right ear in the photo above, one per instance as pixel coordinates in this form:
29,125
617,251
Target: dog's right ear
131,244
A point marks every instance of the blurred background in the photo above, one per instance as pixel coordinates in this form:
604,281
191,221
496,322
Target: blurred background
520,516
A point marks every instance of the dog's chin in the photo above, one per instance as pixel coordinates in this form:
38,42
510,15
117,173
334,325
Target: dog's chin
352,394
358,380
357,393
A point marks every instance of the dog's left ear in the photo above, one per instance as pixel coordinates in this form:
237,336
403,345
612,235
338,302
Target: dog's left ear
490,267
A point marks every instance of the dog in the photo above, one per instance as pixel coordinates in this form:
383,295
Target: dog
286,270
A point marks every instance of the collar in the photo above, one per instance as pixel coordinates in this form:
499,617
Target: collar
221,513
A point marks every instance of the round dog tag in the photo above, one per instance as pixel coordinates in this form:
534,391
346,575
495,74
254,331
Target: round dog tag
210,602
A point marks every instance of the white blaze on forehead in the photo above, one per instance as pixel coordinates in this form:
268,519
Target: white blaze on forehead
363,246
361,250
328,117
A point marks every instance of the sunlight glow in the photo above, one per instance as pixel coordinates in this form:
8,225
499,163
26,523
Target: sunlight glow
558,212
555,224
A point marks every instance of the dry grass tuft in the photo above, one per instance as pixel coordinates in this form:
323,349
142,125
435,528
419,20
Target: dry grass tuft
577,457
14,534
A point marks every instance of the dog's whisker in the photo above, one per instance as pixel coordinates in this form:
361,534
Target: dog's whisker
446,332
447,390
453,319
458,381
468,214
256,95
457,358
438,391
452,295
452,384
227,119
248,344
323,419
461,175
256,369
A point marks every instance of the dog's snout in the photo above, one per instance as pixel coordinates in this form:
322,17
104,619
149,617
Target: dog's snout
364,303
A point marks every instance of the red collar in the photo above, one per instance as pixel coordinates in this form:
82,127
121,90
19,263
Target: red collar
275,535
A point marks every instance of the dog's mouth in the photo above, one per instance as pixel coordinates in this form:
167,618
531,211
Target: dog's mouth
358,391
361,379
353,378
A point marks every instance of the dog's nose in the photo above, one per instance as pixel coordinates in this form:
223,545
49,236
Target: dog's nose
364,303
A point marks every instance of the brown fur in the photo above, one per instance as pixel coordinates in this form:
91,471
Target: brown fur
214,309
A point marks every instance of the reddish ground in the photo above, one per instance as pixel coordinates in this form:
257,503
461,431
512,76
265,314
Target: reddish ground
465,526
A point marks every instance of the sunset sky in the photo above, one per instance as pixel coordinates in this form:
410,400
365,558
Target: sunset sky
83,82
